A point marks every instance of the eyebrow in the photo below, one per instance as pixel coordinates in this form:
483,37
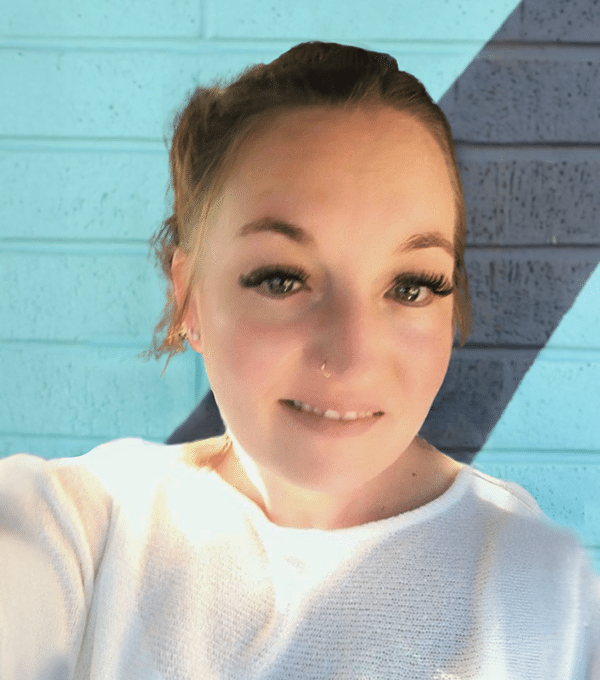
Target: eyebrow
429,239
292,231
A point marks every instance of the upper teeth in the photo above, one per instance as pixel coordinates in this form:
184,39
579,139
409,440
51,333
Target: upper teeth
331,414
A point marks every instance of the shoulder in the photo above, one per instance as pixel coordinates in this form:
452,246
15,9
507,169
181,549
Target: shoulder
503,495
77,495
516,533
526,558
513,529
123,464
55,524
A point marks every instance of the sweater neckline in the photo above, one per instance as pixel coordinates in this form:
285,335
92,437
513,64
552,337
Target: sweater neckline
376,528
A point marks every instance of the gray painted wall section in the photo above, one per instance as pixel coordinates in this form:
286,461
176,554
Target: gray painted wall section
526,118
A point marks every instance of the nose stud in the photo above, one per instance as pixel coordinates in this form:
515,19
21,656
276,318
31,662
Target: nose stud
324,371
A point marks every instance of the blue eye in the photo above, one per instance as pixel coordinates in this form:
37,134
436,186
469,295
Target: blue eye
275,281
418,289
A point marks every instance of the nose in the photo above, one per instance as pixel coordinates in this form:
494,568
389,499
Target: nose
346,336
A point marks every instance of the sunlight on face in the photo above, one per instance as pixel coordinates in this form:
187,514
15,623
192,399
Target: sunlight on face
332,243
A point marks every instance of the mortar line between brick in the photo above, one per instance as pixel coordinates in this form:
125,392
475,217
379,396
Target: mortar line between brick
136,346
546,249
187,44
75,437
529,353
540,51
538,456
91,248
208,19
540,44
474,348
527,148
82,144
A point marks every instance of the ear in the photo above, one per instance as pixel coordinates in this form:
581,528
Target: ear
179,278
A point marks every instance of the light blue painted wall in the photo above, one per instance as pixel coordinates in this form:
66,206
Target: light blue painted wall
548,438
89,89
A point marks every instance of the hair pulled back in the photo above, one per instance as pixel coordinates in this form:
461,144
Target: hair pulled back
216,120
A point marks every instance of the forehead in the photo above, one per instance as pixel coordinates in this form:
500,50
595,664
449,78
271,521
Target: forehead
370,162
360,135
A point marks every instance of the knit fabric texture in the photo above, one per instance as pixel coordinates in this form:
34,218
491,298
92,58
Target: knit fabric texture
129,564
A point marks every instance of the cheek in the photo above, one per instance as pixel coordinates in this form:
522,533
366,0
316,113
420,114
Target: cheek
438,350
425,348
248,351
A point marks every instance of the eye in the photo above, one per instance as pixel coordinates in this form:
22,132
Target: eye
418,290
275,281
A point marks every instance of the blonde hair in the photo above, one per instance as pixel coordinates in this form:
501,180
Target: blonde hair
216,120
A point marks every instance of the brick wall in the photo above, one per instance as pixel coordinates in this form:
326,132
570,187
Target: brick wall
526,114
89,89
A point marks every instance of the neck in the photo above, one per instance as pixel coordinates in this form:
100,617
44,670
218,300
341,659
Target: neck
418,476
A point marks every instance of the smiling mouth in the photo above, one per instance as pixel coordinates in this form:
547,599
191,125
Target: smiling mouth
330,414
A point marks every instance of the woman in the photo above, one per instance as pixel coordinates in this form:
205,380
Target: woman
315,252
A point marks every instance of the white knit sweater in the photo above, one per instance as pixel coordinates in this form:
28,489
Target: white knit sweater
128,564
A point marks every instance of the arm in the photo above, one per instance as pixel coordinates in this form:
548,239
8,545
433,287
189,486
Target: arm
53,521
593,670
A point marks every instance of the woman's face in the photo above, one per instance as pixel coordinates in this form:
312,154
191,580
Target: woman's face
332,244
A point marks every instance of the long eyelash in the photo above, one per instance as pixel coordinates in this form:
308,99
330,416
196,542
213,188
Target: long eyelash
256,277
437,283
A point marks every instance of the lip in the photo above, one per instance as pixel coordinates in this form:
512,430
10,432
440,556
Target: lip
336,428
333,406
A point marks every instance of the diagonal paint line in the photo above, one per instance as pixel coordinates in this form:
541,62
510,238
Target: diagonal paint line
439,68
555,406
430,24
555,409
487,130
548,437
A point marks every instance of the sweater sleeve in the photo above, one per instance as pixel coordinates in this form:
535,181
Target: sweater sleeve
54,520
593,669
